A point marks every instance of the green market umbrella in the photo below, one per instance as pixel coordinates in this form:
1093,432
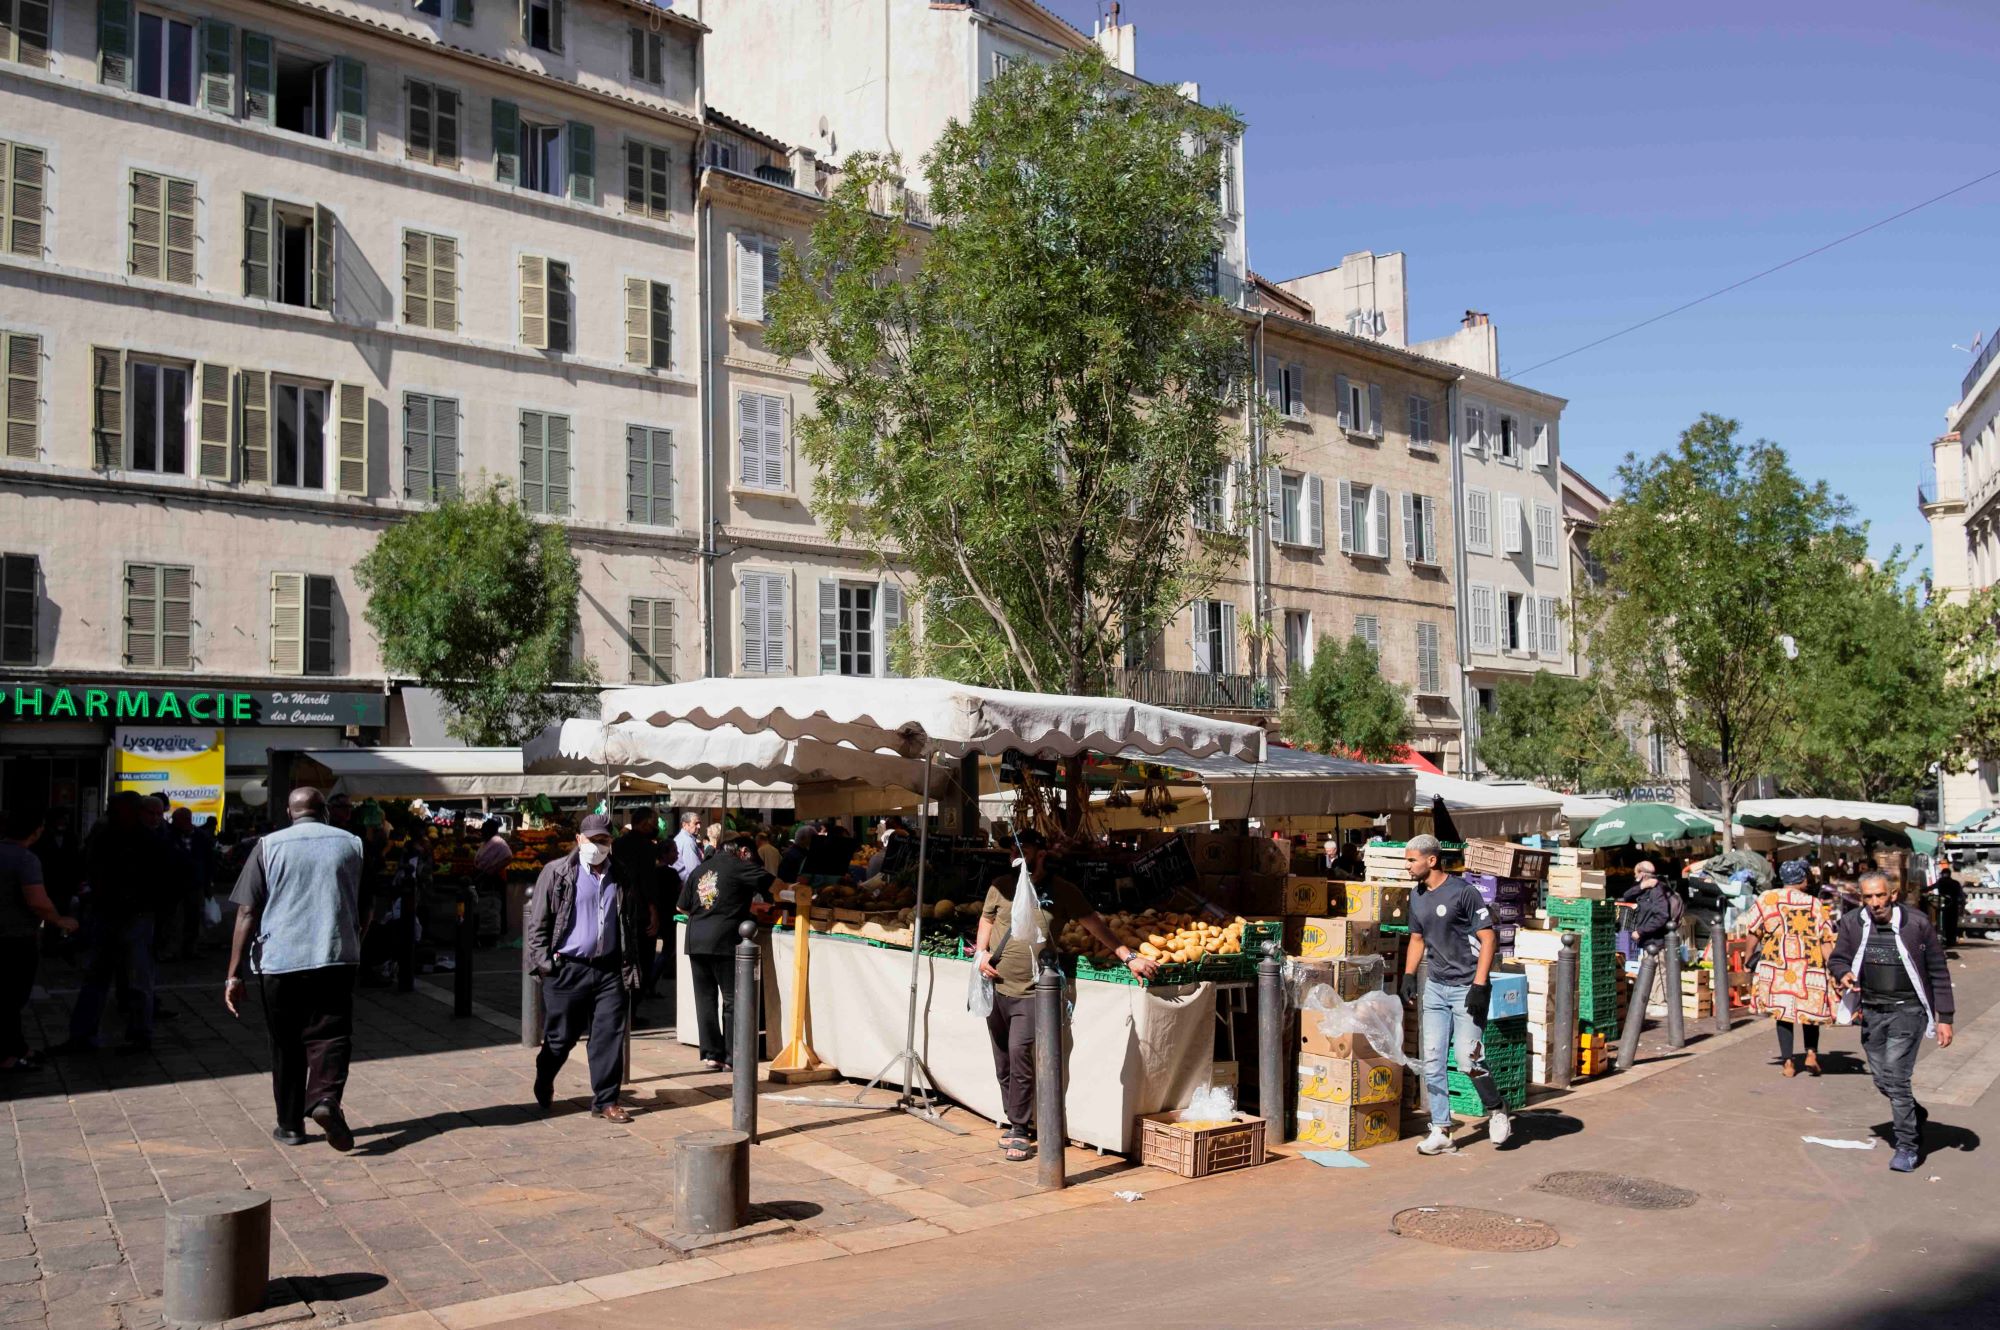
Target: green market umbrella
1645,824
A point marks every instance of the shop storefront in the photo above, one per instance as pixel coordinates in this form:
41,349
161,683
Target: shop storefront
68,746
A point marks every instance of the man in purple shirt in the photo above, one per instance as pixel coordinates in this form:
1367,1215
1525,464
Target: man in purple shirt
586,938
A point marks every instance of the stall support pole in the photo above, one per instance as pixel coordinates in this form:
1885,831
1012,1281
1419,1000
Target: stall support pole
1671,981
1719,958
743,1039
1561,1055
1635,1011
1051,1126
461,975
1271,1096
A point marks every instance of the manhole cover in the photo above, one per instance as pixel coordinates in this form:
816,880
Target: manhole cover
1627,1193
1468,1229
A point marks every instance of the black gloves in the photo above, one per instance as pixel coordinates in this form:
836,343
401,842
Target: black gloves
1478,1001
1408,988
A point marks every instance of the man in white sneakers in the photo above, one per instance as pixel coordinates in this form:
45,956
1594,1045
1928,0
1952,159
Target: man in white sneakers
1451,934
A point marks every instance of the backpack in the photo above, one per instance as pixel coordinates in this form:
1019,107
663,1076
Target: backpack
1676,907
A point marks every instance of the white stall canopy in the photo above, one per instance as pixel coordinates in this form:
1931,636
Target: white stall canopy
437,773
1481,809
1841,817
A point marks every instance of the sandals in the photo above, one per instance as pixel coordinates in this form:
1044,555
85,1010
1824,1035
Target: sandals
1812,1064
1018,1151
1788,1068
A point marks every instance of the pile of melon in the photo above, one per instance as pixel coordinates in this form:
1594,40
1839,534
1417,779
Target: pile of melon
1158,935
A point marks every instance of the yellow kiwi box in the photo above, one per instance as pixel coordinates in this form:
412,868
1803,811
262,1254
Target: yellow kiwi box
1324,1126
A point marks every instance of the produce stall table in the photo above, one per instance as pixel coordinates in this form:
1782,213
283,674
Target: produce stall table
1132,1049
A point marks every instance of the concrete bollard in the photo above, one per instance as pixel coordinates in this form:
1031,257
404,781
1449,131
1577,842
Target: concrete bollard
1273,1095
1635,1011
1562,1019
218,1257
743,1039
1051,1116
534,1020
711,1181
1671,981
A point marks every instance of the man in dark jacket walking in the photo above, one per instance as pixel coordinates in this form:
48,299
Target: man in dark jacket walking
587,935
1893,959
716,901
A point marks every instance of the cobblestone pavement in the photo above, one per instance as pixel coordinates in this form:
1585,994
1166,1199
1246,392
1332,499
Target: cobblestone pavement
458,1194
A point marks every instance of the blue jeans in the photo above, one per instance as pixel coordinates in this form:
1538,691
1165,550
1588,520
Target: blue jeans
1447,1023
1891,1040
121,953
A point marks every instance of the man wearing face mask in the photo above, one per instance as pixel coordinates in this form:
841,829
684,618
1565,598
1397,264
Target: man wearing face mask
587,938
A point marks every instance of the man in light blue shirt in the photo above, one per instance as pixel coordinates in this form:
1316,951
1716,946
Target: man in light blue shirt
687,846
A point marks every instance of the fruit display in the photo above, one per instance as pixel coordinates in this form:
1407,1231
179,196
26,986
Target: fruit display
1157,935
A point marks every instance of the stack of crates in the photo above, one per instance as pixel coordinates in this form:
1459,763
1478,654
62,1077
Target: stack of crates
1596,925
1506,1050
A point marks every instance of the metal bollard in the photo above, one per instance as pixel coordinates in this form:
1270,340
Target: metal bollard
1670,980
711,1181
1562,1020
534,1018
1272,1092
1635,1014
1051,1121
406,958
218,1257
1719,958
461,975
743,1039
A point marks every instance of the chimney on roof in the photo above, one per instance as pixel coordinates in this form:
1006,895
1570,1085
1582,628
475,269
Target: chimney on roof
805,169
1474,319
1119,41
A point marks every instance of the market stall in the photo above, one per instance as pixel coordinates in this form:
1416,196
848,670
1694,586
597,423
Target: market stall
1480,808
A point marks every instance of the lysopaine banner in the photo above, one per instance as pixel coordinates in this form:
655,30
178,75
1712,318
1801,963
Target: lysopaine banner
184,766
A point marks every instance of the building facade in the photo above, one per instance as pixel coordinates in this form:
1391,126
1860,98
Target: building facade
273,277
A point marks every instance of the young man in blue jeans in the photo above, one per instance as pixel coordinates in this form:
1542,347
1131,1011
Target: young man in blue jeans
1451,933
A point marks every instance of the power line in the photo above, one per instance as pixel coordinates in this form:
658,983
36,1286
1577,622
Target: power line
1799,258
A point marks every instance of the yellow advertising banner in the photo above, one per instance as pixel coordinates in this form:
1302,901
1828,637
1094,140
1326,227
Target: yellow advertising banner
186,767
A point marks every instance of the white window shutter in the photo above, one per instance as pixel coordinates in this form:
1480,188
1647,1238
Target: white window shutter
1409,527
1429,514
749,439
749,278
829,625
1510,524
1541,454
1375,410
1316,512
1197,645
1274,383
1345,401
1482,618
1295,390
890,596
1378,510
752,617
1228,638
1274,501
288,623
1344,496
777,598
777,457
1478,521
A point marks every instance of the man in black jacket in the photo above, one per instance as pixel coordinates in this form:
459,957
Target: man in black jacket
716,899
586,936
1892,957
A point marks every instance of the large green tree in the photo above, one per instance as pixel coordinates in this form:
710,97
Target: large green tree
477,600
1717,560
1342,704
1560,731
1024,405
1967,631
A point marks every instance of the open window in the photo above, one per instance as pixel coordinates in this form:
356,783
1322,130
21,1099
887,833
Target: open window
304,101
288,251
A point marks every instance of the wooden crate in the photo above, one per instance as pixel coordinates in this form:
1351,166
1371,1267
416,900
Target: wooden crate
1198,1152
1505,859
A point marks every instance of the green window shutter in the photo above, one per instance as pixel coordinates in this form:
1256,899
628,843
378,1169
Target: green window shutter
20,608
444,448
146,228
582,162
325,232
556,25
212,450
444,283
506,143
288,623
176,618
662,318
22,196
416,279
142,615
257,252
558,466
534,462
29,25
651,624
419,469
260,77
218,66
658,199
444,151
179,257
534,301
253,424
638,42
419,137
635,174
114,42
461,12
107,406
638,345
319,625
351,438
649,475
21,360
350,81
562,308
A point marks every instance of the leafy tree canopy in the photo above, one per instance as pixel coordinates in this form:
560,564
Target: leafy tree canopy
1024,406
1560,731
477,600
1967,631
1343,704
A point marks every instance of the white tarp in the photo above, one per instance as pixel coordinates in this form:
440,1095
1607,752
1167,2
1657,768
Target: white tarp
912,716
724,753
444,773
1288,783
1481,809
1844,816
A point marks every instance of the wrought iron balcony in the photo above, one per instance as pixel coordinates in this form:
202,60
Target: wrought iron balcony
1197,690
1979,364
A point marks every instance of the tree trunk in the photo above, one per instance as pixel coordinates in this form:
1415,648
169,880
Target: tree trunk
1076,794
1728,814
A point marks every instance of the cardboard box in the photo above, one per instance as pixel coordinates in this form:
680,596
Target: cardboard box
1369,901
1395,906
1215,852
1333,1080
1510,996
1537,944
1222,1074
1325,938
1348,1127
1262,854
1305,896
1312,1041
1260,893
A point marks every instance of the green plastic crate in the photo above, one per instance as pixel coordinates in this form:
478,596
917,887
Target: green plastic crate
1256,932
1513,1087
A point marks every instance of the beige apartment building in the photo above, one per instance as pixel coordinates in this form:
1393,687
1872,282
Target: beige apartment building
271,277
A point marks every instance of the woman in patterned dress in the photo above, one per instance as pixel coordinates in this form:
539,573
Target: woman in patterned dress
1794,932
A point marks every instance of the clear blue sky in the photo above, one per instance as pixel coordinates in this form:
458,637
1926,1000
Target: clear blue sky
1574,167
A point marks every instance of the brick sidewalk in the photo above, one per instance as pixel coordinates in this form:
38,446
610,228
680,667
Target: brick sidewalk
458,1198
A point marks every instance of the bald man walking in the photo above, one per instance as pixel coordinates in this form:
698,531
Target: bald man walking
298,922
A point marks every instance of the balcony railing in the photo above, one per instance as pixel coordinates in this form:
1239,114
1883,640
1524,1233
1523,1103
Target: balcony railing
1195,690
1979,364
727,152
1927,489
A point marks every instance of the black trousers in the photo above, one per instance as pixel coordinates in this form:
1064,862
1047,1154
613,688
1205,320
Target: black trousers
1011,1024
1785,1039
714,977
585,998
18,958
310,1016
1891,1038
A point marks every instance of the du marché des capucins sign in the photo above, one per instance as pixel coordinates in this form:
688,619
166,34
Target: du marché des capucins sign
31,702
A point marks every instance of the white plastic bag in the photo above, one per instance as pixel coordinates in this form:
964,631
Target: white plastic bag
1026,921
1376,1016
211,911
979,994
1211,1103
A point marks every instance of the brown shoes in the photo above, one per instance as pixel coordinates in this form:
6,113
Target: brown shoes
612,1113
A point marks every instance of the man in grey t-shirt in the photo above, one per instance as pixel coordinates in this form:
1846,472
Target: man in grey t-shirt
298,921
24,907
1452,936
